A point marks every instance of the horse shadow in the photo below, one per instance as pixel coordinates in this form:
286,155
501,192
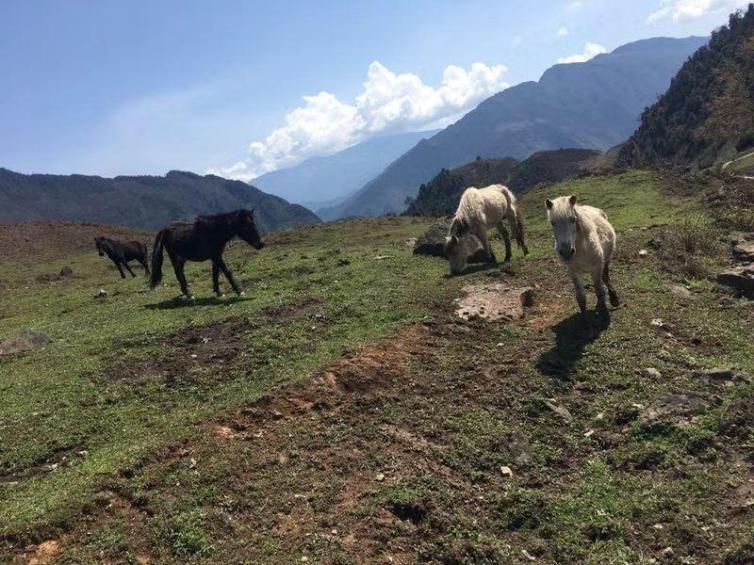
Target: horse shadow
472,269
179,302
571,339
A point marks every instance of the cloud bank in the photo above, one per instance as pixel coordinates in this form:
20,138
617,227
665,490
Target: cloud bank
684,10
389,102
591,50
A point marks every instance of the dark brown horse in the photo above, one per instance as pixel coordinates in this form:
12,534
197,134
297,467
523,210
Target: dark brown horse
121,252
202,240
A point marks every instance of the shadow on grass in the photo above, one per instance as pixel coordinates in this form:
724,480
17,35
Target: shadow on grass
475,268
179,302
571,339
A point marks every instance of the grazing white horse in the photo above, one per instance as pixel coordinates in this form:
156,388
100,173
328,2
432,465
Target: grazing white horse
584,241
481,209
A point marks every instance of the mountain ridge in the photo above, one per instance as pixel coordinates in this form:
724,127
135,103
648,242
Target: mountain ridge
141,201
606,96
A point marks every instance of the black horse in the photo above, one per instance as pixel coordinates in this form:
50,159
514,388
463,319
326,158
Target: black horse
203,239
121,252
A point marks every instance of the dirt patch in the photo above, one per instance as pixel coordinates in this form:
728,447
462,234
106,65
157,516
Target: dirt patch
219,345
61,457
29,340
295,311
494,302
44,553
34,242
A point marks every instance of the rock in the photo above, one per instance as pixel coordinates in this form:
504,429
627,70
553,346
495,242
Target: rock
432,242
741,278
643,253
66,272
679,291
494,302
506,471
380,477
102,293
560,411
674,409
738,418
724,374
410,242
744,252
652,373
29,340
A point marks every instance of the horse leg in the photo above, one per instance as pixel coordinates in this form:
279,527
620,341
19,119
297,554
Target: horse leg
506,239
216,278
482,236
178,266
143,262
599,290
229,276
120,269
125,264
580,296
614,300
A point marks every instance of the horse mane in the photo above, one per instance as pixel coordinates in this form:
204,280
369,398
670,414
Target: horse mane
468,213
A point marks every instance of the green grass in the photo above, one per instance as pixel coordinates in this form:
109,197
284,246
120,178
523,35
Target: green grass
67,399
602,486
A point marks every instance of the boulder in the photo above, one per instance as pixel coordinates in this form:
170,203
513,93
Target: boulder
741,278
432,242
722,374
743,252
494,302
29,340
674,409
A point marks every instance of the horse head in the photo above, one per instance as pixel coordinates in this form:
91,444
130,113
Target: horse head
247,229
561,213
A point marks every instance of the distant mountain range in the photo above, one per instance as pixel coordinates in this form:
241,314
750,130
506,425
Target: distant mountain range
593,105
440,196
707,114
323,181
148,202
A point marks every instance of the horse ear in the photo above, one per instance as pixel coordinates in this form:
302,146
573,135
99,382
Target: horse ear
572,200
549,204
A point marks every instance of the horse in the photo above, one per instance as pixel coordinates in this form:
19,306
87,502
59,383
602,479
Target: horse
481,209
121,252
585,242
201,240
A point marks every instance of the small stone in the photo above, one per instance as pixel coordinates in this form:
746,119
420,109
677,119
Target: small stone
658,527
589,433
380,477
528,555
667,552
283,459
643,253
101,293
652,373
560,411
506,471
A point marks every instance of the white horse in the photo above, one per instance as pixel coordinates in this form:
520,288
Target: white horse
481,209
584,241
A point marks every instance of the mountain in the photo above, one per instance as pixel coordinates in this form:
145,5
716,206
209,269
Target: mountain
147,202
707,114
322,180
593,105
441,195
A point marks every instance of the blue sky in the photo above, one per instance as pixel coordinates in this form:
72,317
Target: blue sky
142,87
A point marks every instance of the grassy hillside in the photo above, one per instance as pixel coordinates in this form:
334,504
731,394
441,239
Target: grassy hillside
341,413
146,202
441,195
707,114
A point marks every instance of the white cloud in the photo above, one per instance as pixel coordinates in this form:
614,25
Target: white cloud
575,5
591,50
683,10
563,32
389,102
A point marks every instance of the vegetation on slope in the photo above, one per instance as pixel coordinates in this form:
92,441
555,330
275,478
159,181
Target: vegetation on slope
441,195
146,202
343,414
707,114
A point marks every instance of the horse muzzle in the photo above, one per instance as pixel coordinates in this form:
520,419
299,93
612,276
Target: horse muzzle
566,253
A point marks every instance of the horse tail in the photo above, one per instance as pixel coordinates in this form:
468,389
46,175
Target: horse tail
145,250
517,220
157,258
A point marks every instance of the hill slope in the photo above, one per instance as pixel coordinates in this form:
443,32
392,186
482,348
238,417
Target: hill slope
593,105
441,195
707,113
139,202
321,180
